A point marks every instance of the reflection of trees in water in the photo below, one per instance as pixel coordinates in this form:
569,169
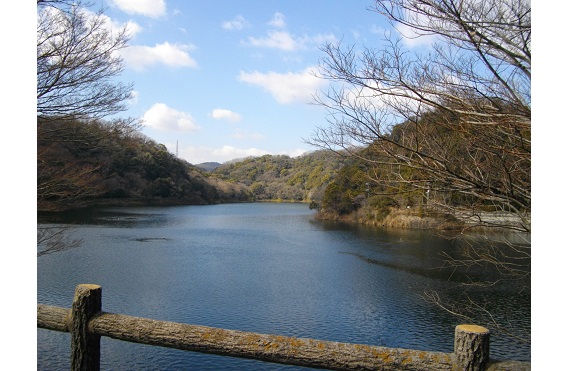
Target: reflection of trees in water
476,280
53,239
488,261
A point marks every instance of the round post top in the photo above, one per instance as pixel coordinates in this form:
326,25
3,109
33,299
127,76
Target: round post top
472,328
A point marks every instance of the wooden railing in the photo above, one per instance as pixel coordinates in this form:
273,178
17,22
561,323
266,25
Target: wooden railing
87,323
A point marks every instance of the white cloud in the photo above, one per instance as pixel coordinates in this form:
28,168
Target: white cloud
286,87
294,153
164,118
278,20
224,114
132,27
283,40
237,23
149,8
112,26
139,57
197,155
277,40
230,153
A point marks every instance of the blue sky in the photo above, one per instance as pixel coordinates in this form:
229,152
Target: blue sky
230,79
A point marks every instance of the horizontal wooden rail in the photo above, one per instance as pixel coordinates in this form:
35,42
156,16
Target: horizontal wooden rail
471,351
263,347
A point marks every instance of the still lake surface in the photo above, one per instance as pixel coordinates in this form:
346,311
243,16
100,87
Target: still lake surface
261,267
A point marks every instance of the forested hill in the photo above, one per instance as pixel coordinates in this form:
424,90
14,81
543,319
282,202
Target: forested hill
99,163
280,177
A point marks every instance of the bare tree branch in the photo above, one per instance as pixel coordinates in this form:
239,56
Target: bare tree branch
77,62
458,117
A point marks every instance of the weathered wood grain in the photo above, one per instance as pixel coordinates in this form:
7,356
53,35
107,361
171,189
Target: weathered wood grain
272,348
85,345
471,347
53,318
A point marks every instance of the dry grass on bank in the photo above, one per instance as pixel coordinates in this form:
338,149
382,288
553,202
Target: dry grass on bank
395,218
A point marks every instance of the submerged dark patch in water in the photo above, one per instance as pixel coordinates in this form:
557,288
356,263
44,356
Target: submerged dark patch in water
150,239
426,272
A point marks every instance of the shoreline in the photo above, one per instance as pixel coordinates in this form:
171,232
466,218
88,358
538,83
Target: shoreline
412,219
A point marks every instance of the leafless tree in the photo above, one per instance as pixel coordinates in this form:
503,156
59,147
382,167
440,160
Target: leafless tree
459,115
452,121
77,62
77,70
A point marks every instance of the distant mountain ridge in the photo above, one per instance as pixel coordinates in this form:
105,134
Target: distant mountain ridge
208,166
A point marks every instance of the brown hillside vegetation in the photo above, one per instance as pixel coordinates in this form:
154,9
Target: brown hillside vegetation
89,163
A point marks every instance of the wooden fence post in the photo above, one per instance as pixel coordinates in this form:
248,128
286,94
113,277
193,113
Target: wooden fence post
471,347
85,347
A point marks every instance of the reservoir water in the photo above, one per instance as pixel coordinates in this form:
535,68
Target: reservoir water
262,267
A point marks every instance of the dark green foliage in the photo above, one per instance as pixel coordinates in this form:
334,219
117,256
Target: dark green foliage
314,205
347,191
90,163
